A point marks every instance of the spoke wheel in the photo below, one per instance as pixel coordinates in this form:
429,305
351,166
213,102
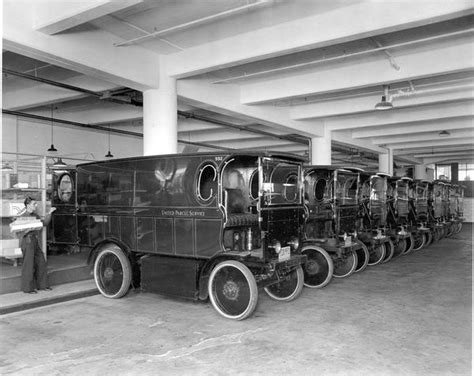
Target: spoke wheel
399,247
233,290
288,289
458,228
362,257
451,230
437,234
376,254
420,241
389,251
410,243
112,272
319,268
345,265
428,238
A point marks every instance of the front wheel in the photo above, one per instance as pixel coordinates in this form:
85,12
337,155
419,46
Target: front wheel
112,272
319,268
362,257
400,247
377,254
420,241
233,290
410,242
345,265
288,289
428,238
389,251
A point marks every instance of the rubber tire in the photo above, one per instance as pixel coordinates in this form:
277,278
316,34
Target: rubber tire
409,244
377,255
345,266
399,248
428,239
362,257
437,234
420,241
389,251
105,274
458,228
251,286
319,268
274,291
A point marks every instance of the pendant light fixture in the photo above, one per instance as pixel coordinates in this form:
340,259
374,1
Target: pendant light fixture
52,149
385,103
109,154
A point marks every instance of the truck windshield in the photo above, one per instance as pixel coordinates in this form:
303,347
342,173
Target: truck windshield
281,182
346,188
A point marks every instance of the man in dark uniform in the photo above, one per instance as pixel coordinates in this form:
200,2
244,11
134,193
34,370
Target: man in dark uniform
34,274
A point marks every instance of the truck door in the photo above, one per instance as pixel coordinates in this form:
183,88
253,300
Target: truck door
64,219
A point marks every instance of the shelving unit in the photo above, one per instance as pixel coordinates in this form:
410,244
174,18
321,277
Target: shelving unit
25,176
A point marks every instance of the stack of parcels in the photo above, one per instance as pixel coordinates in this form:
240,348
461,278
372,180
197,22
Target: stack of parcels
25,224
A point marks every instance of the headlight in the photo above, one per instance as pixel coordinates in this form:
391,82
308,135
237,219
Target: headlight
294,243
276,246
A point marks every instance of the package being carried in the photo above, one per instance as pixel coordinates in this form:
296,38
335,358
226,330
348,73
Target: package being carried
25,224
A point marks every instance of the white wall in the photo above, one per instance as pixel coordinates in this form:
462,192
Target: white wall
27,136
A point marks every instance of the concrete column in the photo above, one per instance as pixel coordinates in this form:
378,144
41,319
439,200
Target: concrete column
160,118
321,149
386,162
420,172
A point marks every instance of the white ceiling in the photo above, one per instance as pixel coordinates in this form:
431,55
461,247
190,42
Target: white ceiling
279,67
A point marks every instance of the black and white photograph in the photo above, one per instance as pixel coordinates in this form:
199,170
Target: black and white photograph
237,187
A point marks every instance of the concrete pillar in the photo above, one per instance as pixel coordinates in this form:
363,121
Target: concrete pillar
160,118
321,149
420,172
386,162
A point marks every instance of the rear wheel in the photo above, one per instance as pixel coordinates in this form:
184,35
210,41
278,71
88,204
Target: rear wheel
410,242
319,268
376,254
112,272
362,257
233,290
288,289
389,251
345,265
458,227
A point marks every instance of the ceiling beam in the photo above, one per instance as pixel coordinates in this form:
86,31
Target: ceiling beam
362,73
133,67
433,144
66,15
412,115
341,25
430,125
417,137
364,103
225,99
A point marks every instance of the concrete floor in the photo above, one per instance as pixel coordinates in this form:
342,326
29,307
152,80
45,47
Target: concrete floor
411,316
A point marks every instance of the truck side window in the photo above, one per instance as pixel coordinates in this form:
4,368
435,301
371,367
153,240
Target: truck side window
207,182
65,188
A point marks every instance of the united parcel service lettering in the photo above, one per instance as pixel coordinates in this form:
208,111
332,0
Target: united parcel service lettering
183,213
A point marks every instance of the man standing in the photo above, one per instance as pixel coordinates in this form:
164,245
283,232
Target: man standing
34,273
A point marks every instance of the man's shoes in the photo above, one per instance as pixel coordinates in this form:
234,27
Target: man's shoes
31,292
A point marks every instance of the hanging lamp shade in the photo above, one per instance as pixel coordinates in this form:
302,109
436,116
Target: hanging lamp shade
385,103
